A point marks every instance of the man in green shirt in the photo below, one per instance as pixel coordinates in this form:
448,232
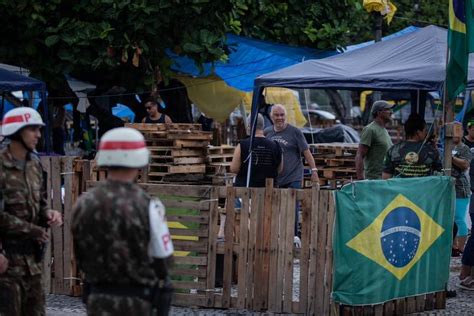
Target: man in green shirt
374,143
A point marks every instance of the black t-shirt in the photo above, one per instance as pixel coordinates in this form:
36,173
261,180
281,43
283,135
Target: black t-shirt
266,158
412,159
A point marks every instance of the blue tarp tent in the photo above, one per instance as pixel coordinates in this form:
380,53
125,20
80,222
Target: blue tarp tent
10,81
249,59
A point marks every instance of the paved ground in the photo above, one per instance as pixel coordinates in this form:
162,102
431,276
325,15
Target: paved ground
461,305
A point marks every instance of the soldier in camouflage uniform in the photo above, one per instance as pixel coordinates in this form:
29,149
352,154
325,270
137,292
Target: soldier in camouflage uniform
24,215
115,234
414,157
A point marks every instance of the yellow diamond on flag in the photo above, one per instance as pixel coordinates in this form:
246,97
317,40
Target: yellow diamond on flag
398,237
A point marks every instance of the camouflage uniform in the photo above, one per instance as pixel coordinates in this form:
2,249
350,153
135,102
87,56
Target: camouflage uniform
111,232
24,213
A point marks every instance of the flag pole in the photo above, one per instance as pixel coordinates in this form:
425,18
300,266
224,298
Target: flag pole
448,117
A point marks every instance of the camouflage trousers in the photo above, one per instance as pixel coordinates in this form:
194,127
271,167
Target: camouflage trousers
104,304
22,296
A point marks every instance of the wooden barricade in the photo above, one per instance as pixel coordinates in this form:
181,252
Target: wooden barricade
261,268
63,185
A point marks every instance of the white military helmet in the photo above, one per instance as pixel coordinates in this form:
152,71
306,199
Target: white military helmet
123,147
18,118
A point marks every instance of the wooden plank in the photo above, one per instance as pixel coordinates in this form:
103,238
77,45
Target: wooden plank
267,232
46,164
410,305
279,286
389,308
429,302
69,191
200,261
305,245
313,253
57,232
180,203
182,299
198,219
243,251
188,160
288,261
440,298
251,247
321,251
189,285
258,261
200,273
329,259
274,299
190,143
190,245
203,232
378,310
172,189
229,241
400,307
212,246
420,303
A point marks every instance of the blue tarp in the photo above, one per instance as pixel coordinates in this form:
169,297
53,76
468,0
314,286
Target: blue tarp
10,81
249,59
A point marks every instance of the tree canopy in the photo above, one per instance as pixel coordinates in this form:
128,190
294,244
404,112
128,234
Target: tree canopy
124,42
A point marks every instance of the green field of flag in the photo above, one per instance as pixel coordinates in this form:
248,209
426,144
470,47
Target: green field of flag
392,239
461,43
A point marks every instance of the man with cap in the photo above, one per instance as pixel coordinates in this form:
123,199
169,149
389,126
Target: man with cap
121,239
374,143
24,215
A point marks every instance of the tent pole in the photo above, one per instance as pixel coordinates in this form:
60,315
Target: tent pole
306,98
418,101
448,116
253,118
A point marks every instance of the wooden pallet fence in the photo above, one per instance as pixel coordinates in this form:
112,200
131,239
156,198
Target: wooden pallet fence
63,184
261,268
262,251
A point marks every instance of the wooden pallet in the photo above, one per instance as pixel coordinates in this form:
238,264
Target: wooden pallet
338,173
157,151
178,160
335,149
176,143
220,150
218,168
219,158
164,127
188,178
157,169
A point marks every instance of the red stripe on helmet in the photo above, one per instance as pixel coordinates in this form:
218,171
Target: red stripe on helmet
121,145
14,119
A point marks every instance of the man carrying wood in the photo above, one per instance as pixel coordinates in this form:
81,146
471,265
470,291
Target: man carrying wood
24,215
374,143
121,238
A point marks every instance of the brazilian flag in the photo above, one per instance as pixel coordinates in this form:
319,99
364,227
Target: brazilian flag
461,43
392,239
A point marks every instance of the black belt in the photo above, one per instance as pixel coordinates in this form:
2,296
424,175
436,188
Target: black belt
143,292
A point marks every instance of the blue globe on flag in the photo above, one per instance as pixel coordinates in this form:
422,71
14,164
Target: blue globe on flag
400,236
